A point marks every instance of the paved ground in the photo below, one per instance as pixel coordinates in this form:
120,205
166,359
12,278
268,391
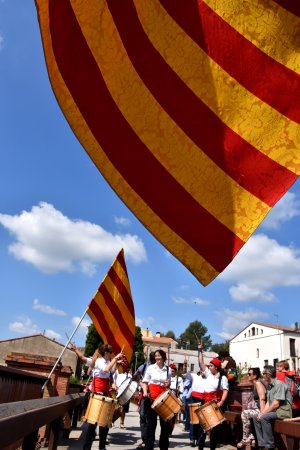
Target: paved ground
128,438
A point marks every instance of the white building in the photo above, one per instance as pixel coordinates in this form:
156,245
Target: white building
261,344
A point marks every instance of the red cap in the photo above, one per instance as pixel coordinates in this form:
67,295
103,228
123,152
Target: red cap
216,362
172,366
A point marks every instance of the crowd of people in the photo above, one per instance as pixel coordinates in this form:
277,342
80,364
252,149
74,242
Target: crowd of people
274,395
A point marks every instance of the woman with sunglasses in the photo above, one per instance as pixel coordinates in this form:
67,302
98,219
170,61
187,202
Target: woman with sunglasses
258,401
102,367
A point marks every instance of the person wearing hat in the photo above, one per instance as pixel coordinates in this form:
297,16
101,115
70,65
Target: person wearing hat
176,381
156,380
216,388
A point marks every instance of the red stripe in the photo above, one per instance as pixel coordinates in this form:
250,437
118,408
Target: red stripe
121,261
155,185
241,161
292,6
116,280
115,311
104,326
273,83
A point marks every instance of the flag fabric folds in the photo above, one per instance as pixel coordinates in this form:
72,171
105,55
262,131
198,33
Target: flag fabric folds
189,108
112,309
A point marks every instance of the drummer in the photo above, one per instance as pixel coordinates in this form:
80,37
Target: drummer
102,367
156,380
215,388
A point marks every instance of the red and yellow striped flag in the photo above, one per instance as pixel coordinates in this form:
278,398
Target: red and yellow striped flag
189,108
112,310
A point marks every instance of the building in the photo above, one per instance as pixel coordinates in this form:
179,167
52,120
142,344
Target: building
39,345
260,344
175,355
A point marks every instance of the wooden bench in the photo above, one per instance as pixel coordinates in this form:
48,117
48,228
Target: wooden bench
287,433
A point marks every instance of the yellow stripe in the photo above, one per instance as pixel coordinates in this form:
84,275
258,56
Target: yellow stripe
197,173
111,321
201,269
123,276
271,28
119,301
262,126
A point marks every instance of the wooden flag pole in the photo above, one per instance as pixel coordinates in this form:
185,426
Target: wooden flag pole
63,350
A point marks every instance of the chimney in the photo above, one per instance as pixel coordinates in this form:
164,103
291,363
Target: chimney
157,334
296,326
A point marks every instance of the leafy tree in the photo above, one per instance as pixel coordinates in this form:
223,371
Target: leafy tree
170,334
189,338
93,340
138,356
217,348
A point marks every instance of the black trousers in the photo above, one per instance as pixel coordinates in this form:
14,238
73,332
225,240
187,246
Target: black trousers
90,436
145,405
151,423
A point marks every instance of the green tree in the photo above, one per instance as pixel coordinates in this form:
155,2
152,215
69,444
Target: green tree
189,338
93,340
138,356
170,334
217,348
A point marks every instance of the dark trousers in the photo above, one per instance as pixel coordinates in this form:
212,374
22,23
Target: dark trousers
90,436
196,430
144,407
150,431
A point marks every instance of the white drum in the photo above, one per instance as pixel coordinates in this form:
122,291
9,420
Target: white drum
126,391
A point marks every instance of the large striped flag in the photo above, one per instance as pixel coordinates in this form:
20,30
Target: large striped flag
189,108
112,310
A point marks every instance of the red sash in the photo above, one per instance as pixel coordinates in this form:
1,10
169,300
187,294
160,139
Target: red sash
100,385
197,394
213,395
156,390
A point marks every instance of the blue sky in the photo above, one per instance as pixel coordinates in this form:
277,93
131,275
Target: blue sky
61,225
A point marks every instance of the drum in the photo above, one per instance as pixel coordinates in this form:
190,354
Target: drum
194,419
209,415
100,410
167,405
126,391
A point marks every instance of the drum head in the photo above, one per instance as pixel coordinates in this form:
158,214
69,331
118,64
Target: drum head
123,386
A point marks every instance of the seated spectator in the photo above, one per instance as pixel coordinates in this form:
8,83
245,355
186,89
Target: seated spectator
278,406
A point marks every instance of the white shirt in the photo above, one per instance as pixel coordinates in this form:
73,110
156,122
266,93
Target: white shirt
176,384
120,377
100,364
198,382
212,381
157,375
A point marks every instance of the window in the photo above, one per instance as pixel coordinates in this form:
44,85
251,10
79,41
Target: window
257,353
249,333
256,330
275,362
180,367
245,335
266,362
293,347
261,331
253,331
192,367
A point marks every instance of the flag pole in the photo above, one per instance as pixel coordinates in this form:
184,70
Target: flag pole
63,350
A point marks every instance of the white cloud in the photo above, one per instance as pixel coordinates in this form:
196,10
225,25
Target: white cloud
54,243
244,293
25,326
46,308
52,335
83,327
122,221
286,209
261,265
234,321
190,301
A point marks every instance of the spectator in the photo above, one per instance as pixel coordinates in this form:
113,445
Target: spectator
278,406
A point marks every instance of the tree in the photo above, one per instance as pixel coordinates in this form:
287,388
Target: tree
189,338
170,334
93,340
217,348
138,356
